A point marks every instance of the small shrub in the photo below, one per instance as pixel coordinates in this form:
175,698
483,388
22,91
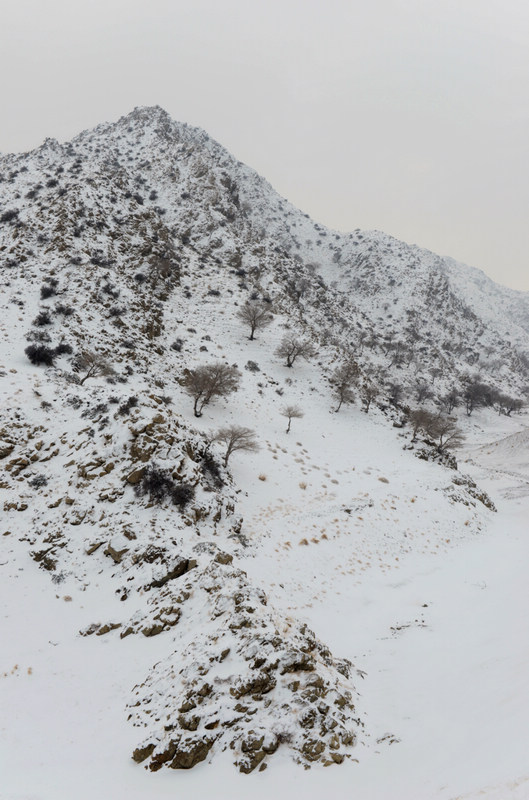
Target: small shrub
116,311
42,318
252,366
40,354
125,407
10,215
47,291
159,485
38,335
63,349
65,311
38,481
182,494
156,483
211,470
177,345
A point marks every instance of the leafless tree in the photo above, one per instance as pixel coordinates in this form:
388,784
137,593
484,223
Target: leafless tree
447,434
210,381
342,381
236,438
291,347
504,404
441,430
395,392
291,412
423,390
256,315
368,393
450,400
421,420
476,394
92,365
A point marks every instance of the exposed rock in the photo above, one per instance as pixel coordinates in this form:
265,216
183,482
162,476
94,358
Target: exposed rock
115,555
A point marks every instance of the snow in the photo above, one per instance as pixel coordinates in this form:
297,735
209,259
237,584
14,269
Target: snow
390,563
443,640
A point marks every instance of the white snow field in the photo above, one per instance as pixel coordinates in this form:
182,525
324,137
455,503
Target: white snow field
441,630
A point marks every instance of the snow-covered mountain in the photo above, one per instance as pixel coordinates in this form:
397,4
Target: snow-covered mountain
127,256
149,193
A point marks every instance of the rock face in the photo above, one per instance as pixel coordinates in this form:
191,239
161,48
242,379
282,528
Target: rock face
264,691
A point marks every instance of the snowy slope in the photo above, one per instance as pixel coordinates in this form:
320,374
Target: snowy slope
301,606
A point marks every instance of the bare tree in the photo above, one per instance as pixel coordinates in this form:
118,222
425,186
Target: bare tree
290,348
291,412
441,430
368,393
342,381
423,390
450,400
477,394
447,434
256,315
93,365
395,392
504,404
421,420
210,381
236,438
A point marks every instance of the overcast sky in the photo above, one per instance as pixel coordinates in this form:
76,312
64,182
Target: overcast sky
410,116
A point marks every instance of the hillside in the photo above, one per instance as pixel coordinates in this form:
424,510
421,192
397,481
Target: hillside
191,610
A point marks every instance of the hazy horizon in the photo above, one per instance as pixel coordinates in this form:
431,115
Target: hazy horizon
407,116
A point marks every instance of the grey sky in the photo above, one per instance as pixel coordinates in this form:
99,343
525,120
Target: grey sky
410,116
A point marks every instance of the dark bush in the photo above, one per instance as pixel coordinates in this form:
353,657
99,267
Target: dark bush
111,290
116,311
177,345
38,335
211,470
65,311
157,483
9,215
47,291
40,354
63,349
125,407
38,481
182,494
252,366
42,318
